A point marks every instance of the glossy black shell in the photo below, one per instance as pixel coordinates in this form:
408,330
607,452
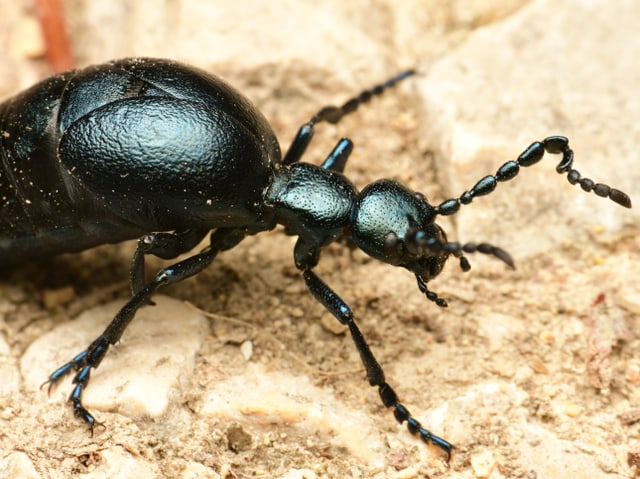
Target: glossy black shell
113,151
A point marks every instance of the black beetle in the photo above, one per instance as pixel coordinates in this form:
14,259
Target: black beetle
155,150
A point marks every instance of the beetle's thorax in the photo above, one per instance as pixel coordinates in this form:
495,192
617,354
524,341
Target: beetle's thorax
312,202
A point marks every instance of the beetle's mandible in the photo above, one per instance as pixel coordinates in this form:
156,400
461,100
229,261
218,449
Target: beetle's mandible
155,150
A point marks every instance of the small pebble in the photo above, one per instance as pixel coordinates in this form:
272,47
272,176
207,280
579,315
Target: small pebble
246,349
483,464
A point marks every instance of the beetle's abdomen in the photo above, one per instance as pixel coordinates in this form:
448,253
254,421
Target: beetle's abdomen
168,163
42,211
31,190
112,151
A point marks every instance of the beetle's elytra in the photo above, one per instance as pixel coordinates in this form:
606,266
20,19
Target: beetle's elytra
155,150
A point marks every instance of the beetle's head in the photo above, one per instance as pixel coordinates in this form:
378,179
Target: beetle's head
396,225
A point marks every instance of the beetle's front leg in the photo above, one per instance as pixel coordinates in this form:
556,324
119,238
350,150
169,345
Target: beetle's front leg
336,306
91,357
306,257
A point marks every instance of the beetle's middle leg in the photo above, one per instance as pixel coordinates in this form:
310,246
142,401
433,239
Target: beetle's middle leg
162,245
91,357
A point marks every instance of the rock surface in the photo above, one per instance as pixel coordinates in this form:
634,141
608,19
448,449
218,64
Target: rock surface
530,373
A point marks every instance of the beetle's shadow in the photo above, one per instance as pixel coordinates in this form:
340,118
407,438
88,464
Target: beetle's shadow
84,271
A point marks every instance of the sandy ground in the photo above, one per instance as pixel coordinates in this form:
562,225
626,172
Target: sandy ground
531,373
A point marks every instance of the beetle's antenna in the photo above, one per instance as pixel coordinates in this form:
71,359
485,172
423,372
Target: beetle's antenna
530,156
422,244
333,114
419,243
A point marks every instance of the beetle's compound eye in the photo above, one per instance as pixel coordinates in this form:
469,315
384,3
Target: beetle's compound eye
393,248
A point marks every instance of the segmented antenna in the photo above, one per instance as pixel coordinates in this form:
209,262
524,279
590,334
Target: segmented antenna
532,155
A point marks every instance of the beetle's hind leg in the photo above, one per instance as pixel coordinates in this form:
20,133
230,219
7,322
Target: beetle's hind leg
80,363
91,357
162,245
